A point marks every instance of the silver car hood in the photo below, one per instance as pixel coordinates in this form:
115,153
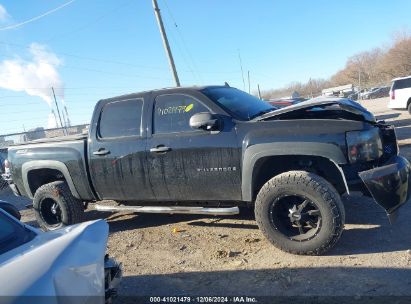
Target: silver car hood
66,263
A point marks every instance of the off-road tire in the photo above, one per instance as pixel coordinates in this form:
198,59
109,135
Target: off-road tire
72,209
318,190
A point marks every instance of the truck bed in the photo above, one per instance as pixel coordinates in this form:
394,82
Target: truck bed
67,154
53,139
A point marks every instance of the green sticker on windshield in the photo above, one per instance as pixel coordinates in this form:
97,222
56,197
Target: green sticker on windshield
175,110
189,107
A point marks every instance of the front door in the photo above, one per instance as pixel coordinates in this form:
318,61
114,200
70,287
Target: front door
187,164
117,152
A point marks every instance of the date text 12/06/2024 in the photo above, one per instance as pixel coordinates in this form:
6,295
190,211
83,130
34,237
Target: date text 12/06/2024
239,299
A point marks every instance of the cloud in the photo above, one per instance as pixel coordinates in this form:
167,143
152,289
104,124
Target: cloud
35,76
4,16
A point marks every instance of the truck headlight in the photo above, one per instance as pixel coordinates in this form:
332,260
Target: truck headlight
364,145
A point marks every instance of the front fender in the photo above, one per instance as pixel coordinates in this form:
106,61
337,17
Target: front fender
255,152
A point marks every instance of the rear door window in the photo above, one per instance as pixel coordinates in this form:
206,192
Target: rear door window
121,118
402,84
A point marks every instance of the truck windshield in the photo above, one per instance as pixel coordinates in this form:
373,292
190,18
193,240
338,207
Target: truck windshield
239,104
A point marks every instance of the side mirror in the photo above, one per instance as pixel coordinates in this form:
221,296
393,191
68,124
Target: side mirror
205,121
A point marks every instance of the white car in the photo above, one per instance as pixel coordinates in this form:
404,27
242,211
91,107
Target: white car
400,94
68,263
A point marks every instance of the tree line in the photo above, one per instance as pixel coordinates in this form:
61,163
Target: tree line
376,67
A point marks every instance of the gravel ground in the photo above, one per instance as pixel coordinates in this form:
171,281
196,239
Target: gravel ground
198,255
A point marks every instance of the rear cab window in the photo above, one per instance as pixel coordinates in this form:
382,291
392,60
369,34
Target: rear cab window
121,119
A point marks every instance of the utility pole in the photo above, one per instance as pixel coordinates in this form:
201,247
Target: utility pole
165,42
58,111
259,92
311,88
359,84
241,66
249,85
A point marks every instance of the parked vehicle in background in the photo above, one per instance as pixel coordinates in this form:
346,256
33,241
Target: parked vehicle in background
400,94
366,95
281,103
379,93
359,94
353,96
67,264
213,149
3,157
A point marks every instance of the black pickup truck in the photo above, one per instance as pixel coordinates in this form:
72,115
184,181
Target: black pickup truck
210,150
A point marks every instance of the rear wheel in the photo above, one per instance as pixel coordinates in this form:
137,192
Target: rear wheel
409,106
56,207
300,212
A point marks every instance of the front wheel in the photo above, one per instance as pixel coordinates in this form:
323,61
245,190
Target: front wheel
300,212
55,206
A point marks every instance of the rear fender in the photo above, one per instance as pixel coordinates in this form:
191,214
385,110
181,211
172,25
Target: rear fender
47,164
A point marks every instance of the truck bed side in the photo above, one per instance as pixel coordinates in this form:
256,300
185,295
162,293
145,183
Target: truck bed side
39,163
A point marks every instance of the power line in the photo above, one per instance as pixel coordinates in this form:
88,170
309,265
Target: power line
90,58
183,55
14,26
165,43
103,60
241,65
182,39
84,26
113,73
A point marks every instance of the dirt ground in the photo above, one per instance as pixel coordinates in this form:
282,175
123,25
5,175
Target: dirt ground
197,255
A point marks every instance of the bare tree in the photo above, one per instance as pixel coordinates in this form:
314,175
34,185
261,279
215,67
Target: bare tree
397,61
375,67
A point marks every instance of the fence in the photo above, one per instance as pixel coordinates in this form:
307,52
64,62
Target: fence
17,138
39,133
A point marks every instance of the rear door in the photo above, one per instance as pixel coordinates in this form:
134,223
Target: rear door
402,89
187,164
117,151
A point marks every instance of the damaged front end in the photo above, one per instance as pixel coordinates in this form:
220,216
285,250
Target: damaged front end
389,184
374,166
387,181
385,174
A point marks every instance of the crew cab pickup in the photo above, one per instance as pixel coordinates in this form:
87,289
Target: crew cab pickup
212,149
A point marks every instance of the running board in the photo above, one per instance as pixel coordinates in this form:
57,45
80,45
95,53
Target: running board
170,209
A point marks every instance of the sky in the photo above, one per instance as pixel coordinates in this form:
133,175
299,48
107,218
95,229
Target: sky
93,49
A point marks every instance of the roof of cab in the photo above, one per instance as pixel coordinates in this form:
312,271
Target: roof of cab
132,95
400,78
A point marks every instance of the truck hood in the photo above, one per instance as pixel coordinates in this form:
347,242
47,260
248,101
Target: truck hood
319,105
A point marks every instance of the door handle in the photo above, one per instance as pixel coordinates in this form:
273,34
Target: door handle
101,152
160,149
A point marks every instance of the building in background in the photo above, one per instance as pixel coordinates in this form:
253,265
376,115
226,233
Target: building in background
341,91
